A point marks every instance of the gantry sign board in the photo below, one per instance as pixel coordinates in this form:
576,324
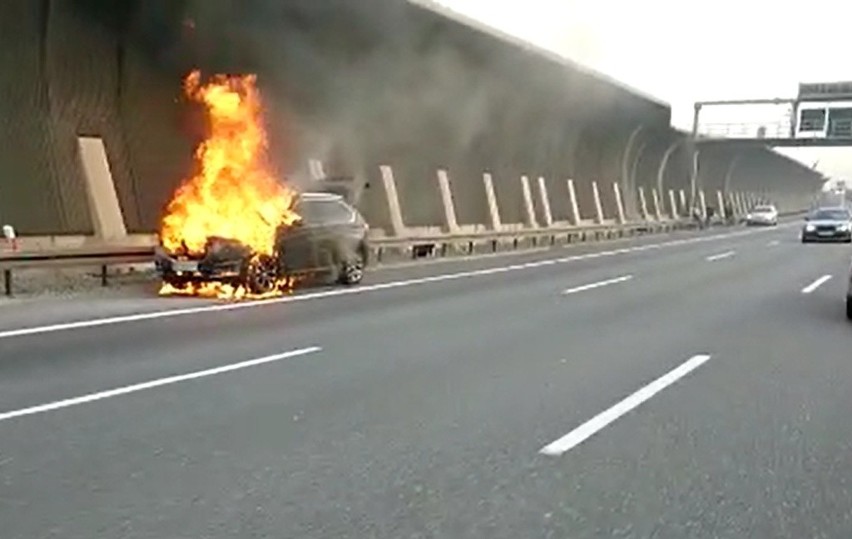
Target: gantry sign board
824,121
825,91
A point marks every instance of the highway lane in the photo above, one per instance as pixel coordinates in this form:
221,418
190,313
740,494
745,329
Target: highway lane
34,372
424,413
142,299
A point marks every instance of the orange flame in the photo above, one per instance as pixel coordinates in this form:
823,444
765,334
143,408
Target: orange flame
234,194
219,290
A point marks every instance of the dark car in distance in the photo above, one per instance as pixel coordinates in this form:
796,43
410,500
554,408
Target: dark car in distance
828,224
329,241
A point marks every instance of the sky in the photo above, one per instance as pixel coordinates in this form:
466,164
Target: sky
682,51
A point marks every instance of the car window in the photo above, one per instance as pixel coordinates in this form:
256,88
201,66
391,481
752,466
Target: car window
831,215
321,212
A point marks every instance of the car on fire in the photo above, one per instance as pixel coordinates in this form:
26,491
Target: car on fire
330,241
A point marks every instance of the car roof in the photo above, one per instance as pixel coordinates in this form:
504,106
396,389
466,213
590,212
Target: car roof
313,195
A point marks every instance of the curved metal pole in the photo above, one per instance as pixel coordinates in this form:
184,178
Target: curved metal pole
693,158
631,199
639,152
625,159
664,163
726,187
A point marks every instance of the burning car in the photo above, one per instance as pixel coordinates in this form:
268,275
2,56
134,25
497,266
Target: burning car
233,228
328,241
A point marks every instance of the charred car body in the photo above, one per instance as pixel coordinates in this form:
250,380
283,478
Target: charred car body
330,241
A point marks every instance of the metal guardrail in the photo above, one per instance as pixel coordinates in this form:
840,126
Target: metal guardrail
101,256
423,246
104,256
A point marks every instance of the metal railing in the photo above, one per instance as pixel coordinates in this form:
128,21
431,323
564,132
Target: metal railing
424,246
755,130
101,256
105,256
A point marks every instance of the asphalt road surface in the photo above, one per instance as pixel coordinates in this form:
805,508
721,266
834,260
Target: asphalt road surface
692,385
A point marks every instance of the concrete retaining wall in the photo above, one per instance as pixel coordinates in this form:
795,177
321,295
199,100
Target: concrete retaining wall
357,85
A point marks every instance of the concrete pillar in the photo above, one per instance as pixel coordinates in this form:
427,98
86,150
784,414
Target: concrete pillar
316,169
643,204
599,214
491,197
575,208
545,202
720,201
702,203
673,204
529,209
619,203
394,209
683,209
104,208
658,211
741,202
450,220
730,198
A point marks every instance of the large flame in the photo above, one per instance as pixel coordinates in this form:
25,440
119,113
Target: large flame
233,194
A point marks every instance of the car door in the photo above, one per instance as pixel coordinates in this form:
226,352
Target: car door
327,232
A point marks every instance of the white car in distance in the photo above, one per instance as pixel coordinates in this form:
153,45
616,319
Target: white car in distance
766,215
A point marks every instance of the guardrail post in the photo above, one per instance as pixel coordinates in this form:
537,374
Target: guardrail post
658,211
493,207
7,282
104,275
575,208
528,202
619,203
673,204
545,202
643,204
599,215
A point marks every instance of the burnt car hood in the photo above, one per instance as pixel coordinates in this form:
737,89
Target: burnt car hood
215,250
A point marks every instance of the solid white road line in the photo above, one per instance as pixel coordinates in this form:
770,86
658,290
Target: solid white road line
123,319
153,383
816,284
599,284
597,423
721,256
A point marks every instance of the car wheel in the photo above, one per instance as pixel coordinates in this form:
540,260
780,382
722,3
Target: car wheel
261,275
849,307
352,271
